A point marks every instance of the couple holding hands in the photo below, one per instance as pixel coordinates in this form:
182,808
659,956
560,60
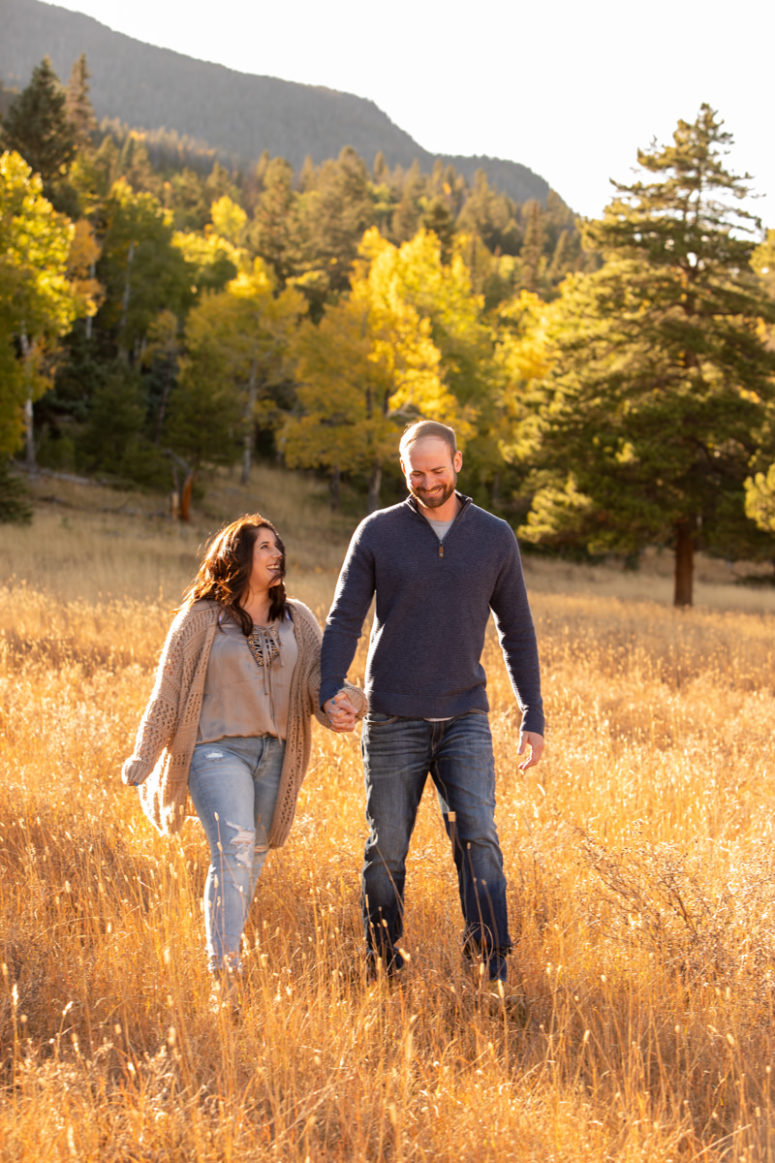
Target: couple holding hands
243,670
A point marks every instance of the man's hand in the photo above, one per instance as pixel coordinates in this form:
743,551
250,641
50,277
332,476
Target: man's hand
341,713
531,745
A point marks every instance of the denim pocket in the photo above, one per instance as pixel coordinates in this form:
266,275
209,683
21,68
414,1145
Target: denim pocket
377,719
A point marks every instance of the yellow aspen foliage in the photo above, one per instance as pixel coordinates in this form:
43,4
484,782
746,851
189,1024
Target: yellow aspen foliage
37,301
84,253
229,220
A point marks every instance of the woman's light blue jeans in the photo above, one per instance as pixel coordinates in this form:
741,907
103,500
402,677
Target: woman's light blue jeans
398,756
234,785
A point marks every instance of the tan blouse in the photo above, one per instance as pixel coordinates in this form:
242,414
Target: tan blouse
167,733
247,690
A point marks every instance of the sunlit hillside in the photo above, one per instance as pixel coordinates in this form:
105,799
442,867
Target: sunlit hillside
639,857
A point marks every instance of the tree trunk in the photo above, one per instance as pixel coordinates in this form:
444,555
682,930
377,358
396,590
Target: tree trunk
123,350
495,492
334,481
375,484
180,499
185,497
166,387
89,318
30,457
247,442
684,563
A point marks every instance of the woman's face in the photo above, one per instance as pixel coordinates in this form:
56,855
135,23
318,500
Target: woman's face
267,568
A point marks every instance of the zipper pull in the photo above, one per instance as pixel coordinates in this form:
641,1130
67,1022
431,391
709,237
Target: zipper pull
441,549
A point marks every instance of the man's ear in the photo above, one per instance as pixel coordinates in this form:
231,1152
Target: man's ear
457,463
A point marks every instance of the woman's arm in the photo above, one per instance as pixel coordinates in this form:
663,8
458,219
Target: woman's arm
160,717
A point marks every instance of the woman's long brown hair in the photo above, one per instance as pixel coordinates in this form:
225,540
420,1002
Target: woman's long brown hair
224,575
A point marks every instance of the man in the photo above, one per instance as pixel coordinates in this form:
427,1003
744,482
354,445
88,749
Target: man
438,564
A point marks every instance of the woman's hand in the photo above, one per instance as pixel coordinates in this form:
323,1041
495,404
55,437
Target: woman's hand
341,713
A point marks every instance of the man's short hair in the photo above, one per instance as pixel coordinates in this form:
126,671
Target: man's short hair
422,428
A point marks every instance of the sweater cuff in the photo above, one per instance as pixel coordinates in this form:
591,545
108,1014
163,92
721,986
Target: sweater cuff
328,690
134,772
358,698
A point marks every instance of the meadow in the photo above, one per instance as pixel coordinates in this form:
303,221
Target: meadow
639,855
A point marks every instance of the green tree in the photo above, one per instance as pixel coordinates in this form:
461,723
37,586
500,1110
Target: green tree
492,216
134,164
78,106
141,268
653,414
235,369
760,486
274,232
334,211
114,441
220,183
38,128
185,197
162,357
211,261
406,217
204,415
563,242
532,254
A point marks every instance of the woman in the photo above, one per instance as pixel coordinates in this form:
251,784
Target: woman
229,719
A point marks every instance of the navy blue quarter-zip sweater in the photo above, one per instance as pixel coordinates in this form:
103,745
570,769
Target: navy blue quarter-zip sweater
433,602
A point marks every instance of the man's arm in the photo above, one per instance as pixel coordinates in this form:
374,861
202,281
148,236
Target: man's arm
354,591
517,637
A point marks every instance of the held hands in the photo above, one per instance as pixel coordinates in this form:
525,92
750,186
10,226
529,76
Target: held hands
531,745
341,713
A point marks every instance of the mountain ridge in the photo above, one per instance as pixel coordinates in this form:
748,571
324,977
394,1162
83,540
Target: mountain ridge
239,115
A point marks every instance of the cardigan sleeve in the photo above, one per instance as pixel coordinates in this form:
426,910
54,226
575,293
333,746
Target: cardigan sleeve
160,718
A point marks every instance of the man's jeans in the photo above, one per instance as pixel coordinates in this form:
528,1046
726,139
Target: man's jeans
234,785
398,755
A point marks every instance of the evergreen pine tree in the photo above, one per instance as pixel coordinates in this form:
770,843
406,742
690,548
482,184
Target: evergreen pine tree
37,126
78,106
657,405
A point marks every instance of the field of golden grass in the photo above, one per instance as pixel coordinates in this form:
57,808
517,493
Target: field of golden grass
639,856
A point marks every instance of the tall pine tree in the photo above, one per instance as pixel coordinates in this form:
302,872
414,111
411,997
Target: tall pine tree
78,106
655,410
37,126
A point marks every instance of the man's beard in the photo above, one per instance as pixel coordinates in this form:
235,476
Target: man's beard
436,500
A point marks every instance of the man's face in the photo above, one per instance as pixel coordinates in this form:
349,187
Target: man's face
431,471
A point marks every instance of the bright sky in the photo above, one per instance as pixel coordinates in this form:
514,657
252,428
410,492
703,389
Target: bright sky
568,88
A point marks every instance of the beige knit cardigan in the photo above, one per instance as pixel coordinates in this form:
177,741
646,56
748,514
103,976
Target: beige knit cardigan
168,729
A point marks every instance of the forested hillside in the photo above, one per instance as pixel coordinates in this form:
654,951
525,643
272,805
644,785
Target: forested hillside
237,115
613,388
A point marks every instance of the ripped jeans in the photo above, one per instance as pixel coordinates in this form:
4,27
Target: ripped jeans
234,785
